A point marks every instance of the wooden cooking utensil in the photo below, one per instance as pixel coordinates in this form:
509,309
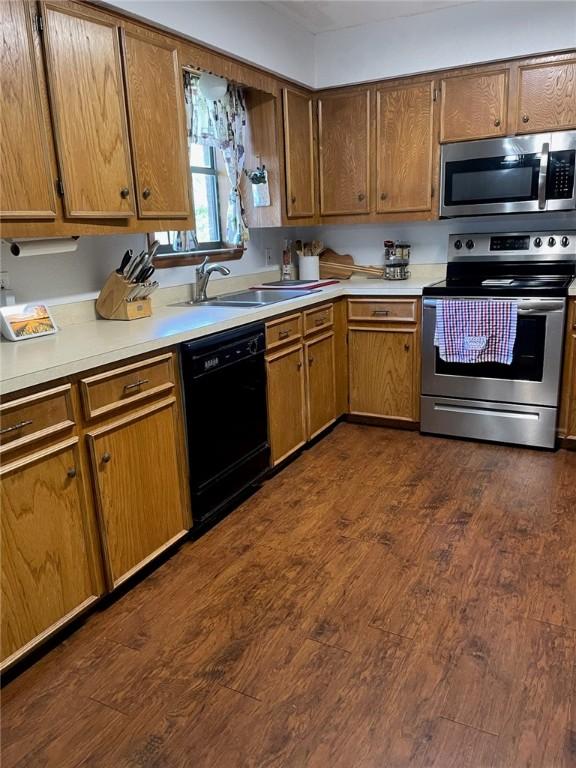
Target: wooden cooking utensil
342,266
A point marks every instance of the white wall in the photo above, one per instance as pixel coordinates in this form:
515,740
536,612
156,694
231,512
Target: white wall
448,37
248,29
429,239
68,277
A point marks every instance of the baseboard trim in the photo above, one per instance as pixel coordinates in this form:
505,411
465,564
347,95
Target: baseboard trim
383,421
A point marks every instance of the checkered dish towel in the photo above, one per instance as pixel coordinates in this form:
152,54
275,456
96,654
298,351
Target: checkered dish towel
476,331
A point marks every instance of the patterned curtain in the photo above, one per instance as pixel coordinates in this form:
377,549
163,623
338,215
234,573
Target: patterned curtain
221,124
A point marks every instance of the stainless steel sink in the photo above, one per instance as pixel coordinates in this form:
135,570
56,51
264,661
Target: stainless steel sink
253,298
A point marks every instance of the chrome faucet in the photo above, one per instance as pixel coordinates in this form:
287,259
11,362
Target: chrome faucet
202,276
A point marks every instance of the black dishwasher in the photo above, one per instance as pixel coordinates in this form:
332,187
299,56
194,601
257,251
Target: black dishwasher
224,379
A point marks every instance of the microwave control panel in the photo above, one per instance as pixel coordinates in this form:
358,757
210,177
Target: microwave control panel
560,181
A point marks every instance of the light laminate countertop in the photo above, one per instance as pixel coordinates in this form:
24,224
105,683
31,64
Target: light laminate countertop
80,347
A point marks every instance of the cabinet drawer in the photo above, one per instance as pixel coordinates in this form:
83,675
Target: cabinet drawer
318,318
30,419
107,392
283,331
383,311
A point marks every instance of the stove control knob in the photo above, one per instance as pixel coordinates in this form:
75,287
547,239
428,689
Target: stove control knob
458,244
551,242
565,242
469,244
537,242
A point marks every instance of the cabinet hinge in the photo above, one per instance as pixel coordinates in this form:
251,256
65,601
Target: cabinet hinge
39,21
60,187
435,93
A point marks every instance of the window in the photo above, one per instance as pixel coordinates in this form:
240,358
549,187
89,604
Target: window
206,201
204,172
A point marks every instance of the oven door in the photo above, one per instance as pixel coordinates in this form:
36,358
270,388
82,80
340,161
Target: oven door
519,174
533,376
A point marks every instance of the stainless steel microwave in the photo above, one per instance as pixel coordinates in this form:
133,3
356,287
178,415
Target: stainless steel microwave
516,174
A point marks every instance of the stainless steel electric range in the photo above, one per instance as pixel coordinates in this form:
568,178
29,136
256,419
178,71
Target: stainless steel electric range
511,403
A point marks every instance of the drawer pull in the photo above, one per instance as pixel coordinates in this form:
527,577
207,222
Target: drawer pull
106,457
384,312
321,320
136,385
71,473
283,334
15,427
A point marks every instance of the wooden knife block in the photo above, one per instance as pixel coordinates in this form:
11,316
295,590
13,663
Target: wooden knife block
112,303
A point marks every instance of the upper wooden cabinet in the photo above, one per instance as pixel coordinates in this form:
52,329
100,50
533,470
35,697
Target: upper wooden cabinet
404,148
299,154
473,106
344,152
26,188
546,97
86,92
157,126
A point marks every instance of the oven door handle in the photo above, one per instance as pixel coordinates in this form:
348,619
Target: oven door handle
543,173
525,306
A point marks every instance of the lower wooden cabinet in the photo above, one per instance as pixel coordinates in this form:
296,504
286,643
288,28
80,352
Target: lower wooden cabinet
302,381
384,358
320,383
136,474
47,572
382,372
286,400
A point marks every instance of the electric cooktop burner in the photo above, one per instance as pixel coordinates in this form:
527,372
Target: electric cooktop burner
525,264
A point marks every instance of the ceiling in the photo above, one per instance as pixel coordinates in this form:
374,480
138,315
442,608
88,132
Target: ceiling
330,15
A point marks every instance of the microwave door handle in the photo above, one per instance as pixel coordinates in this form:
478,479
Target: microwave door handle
542,175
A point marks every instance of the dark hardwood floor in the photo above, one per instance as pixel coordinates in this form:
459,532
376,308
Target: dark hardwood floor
388,600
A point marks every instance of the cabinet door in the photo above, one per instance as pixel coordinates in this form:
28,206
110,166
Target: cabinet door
27,190
137,466
383,372
473,106
299,154
344,153
320,383
46,574
546,97
404,147
85,83
286,413
157,127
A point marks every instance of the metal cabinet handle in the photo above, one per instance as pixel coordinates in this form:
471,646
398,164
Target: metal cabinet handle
136,385
383,196
361,197
320,321
124,193
381,312
525,118
542,174
15,427
310,360
497,122
298,365
146,193
106,457
293,199
72,473
407,347
283,334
